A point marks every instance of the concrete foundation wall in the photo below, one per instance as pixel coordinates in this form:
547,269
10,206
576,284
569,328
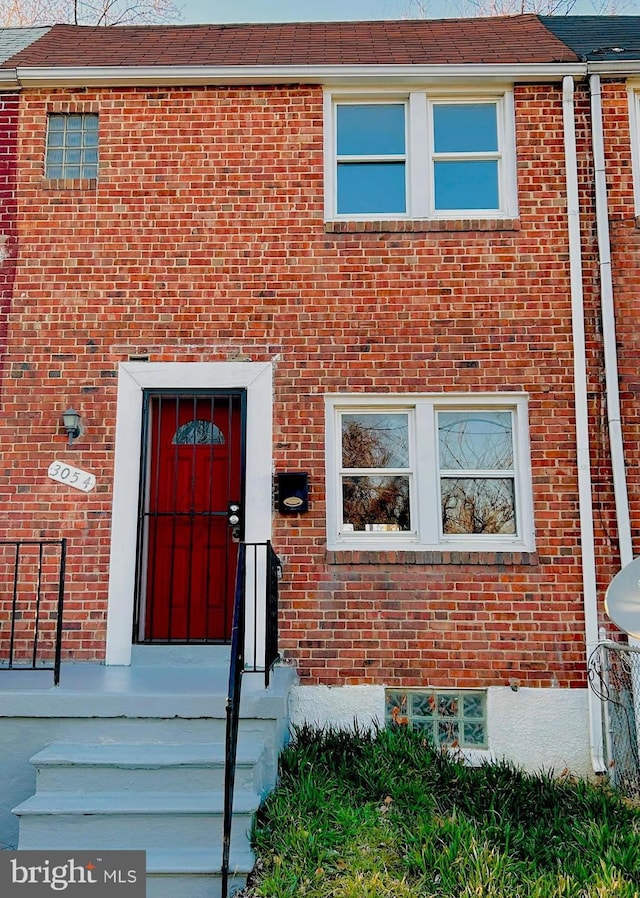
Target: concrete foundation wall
536,729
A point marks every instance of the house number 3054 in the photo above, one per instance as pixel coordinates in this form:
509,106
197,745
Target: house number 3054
64,473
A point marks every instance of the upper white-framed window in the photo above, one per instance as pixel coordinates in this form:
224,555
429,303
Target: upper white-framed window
634,123
419,155
429,471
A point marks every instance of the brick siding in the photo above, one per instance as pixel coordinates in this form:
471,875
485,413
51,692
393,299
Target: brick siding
204,240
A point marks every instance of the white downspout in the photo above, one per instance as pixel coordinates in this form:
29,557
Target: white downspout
585,495
614,416
614,419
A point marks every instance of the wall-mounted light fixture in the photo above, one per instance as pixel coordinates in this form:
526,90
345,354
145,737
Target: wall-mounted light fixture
72,423
293,492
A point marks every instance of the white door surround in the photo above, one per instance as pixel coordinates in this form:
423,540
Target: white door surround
133,378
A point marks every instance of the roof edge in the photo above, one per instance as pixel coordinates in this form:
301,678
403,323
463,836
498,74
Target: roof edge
613,67
9,80
118,76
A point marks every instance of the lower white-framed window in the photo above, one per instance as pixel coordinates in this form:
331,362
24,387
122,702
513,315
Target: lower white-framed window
433,471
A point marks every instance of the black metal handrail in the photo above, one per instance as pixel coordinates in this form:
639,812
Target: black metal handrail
31,597
250,576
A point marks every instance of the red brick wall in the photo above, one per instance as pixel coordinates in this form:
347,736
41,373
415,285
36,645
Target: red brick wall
8,245
204,240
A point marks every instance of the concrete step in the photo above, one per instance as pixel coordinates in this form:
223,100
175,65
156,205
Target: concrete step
190,885
198,861
146,820
146,767
182,656
134,759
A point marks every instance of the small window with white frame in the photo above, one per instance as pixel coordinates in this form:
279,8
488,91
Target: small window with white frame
430,472
420,156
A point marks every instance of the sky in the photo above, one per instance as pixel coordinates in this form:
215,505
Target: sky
205,11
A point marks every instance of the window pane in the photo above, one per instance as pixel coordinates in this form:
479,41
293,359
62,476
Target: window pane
473,706
467,185
375,504
473,735
448,705
371,187
424,704
371,130
448,732
477,441
478,505
375,441
465,128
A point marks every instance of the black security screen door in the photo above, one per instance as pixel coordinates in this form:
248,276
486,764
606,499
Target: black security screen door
193,469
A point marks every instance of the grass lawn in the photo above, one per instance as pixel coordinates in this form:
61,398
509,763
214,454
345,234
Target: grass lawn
384,815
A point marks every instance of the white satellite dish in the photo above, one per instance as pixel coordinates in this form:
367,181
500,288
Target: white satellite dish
622,599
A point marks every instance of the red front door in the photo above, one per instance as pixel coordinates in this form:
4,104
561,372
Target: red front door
193,472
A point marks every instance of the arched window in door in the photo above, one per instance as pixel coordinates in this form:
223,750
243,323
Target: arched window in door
198,433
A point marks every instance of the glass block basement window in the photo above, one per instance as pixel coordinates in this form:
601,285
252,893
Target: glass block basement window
449,718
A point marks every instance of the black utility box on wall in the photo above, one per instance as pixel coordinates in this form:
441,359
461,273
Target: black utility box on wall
293,491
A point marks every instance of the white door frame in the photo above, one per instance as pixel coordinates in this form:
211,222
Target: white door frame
133,378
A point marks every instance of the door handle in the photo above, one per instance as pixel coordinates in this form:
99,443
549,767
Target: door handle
234,520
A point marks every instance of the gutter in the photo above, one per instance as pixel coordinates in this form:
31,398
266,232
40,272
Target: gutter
329,75
585,492
614,419
9,80
615,67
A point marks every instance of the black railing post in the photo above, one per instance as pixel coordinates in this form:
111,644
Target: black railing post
14,602
271,622
30,589
233,713
237,665
63,567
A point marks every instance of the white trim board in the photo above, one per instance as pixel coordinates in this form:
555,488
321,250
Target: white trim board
133,378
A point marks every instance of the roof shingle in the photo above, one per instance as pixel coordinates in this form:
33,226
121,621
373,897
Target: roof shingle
500,40
12,40
603,38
